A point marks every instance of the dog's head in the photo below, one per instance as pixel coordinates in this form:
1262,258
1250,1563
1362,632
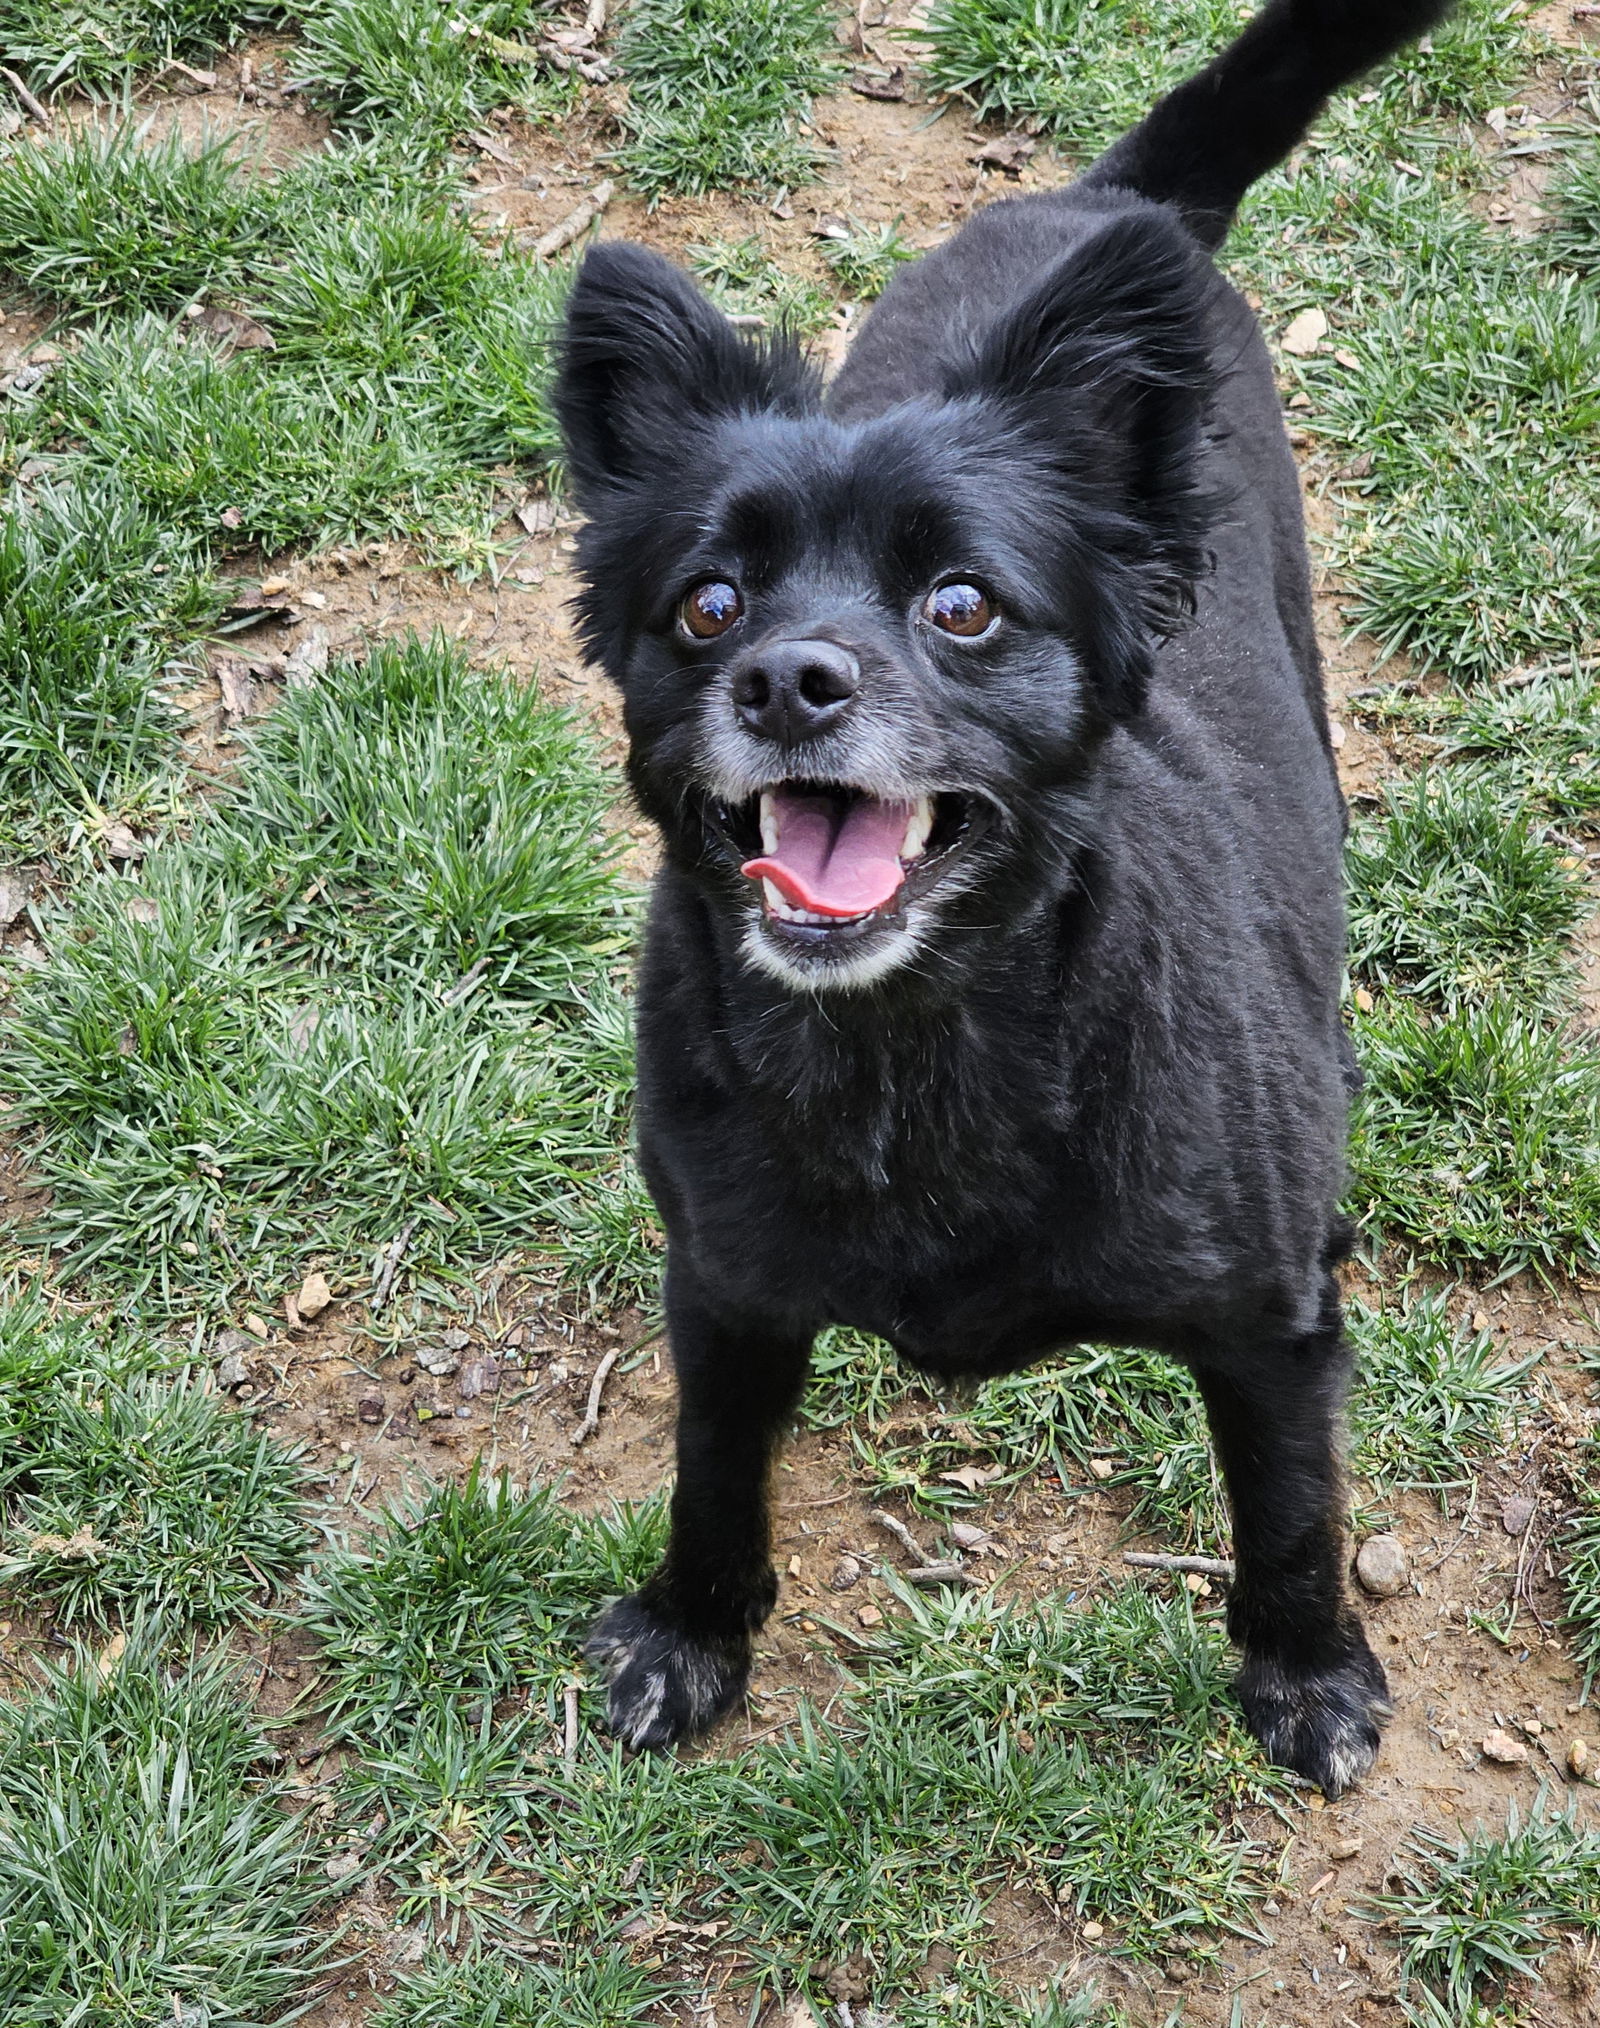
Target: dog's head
865,664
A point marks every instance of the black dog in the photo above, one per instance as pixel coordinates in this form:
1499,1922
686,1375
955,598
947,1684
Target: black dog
990,999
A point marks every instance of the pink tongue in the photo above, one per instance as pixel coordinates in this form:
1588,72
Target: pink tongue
829,867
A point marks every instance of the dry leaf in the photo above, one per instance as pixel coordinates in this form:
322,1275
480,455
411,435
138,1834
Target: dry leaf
306,660
1303,334
234,330
888,85
1010,154
973,1477
111,1654
538,517
238,689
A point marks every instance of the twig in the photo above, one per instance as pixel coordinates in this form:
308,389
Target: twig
929,1576
1207,1566
575,222
464,985
902,1534
389,1263
31,104
569,1743
591,1415
594,19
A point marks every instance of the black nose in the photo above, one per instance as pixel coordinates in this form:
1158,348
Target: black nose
795,690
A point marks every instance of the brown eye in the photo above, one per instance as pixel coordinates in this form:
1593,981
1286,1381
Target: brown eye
960,609
710,609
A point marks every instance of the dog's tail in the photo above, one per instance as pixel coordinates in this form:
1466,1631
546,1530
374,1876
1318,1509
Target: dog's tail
1203,145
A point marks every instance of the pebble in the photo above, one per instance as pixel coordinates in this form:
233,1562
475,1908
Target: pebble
435,1360
1516,1511
1502,1749
232,1372
846,1572
869,1616
1578,1758
370,1408
1346,1848
1382,1566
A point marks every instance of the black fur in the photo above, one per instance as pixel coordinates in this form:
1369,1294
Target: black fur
1089,1081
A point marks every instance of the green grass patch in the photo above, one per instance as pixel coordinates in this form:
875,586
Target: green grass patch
464,1596
97,46
1477,1912
147,1492
605,1990
1086,70
1455,897
1573,200
414,67
744,279
719,91
1091,1755
864,257
267,1048
147,1872
1477,1137
96,601
1433,1400
1535,742
406,373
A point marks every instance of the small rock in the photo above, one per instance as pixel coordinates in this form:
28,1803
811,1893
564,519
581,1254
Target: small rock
1516,1511
1093,1931
1578,1759
456,1339
435,1360
1345,1848
1101,1468
314,1296
342,1865
258,1327
1382,1566
965,1536
479,1376
122,844
232,1372
1502,1749
869,1616
370,1408
846,1572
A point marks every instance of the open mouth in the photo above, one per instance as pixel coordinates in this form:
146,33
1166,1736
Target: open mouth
835,862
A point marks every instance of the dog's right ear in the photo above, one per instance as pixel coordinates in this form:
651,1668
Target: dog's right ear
645,362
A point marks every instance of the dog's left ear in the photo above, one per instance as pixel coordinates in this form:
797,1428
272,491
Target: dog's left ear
1106,364
645,362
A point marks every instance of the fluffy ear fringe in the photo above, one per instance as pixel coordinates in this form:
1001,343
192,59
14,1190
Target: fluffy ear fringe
644,359
1107,368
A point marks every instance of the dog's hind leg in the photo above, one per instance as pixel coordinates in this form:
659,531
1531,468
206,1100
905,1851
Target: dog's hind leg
677,1653
1313,1692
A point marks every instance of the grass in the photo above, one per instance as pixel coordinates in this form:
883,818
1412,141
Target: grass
405,381
1480,1911
1477,1138
984,1743
605,1990
415,68
371,984
1085,70
1535,743
148,1492
147,1872
463,1597
744,279
864,257
1573,234
97,600
98,46
719,92
1455,897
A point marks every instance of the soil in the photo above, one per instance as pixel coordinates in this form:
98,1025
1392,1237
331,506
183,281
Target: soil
351,1389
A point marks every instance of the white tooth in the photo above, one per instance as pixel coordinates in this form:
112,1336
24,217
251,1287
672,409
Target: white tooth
917,830
769,823
775,900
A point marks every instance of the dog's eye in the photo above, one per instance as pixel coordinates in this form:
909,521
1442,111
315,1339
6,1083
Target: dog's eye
710,609
960,609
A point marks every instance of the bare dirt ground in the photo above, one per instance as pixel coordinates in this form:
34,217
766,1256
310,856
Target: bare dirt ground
379,1422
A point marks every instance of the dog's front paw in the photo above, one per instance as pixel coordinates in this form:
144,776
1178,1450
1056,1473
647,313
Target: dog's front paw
663,1685
1321,1723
